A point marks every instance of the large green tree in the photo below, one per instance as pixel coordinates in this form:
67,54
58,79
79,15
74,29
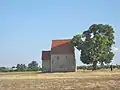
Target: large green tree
95,44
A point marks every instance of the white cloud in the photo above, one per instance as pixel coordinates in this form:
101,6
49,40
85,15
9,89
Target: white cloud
115,49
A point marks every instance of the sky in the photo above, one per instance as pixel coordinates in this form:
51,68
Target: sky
28,26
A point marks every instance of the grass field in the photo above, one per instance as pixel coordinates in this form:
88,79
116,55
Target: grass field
80,80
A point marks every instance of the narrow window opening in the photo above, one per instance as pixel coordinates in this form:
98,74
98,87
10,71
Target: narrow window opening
57,57
66,57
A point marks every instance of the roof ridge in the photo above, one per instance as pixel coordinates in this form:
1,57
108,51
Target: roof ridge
61,39
46,50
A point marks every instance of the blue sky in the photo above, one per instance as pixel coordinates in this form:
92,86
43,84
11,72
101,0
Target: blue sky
28,26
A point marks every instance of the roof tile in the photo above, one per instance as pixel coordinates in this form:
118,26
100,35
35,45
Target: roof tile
62,47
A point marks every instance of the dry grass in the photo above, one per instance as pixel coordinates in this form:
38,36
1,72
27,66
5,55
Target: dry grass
81,80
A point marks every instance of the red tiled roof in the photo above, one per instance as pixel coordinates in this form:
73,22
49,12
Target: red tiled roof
62,47
45,55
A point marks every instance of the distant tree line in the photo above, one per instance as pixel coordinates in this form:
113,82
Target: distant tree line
90,67
32,66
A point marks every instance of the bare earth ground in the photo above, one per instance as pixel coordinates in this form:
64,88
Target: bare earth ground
80,80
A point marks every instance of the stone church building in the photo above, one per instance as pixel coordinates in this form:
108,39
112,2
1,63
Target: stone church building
60,58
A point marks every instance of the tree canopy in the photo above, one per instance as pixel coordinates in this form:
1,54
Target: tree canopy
21,67
33,66
95,44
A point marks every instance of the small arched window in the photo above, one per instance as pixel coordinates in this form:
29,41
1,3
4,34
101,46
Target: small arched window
66,57
57,57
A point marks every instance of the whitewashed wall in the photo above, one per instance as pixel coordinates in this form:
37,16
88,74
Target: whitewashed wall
63,62
46,65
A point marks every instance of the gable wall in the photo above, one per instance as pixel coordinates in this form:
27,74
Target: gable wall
63,62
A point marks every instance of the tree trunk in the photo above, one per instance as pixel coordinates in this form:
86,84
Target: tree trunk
95,65
102,65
